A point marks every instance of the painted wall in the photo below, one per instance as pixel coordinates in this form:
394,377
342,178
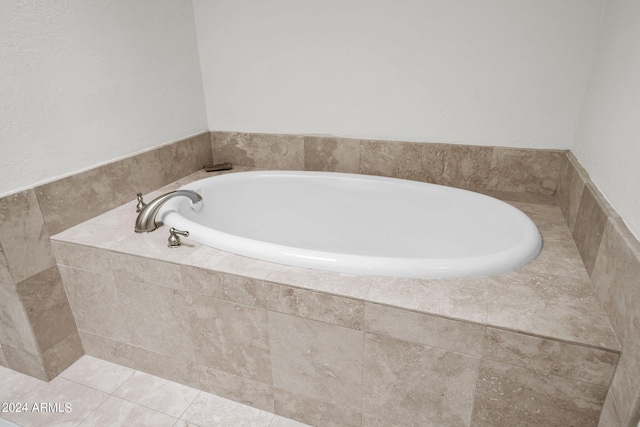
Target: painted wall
85,82
607,140
492,72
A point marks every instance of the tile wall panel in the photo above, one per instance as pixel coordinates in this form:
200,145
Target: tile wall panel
590,222
570,187
465,166
316,360
508,396
611,254
24,237
47,307
414,384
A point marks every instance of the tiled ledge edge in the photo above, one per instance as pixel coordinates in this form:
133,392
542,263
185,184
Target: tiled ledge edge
611,255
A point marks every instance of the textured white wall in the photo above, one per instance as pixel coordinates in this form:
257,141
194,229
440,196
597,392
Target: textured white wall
86,82
607,141
503,72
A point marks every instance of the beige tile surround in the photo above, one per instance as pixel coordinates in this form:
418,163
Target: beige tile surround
39,336
336,349
505,345
611,255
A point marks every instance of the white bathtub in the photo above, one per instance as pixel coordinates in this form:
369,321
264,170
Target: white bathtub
356,224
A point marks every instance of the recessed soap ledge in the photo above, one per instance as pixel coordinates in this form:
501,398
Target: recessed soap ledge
546,310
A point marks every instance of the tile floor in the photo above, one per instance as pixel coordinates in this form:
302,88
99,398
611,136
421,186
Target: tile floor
94,392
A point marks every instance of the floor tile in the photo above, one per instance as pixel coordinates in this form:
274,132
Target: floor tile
65,404
279,421
14,385
116,412
211,410
98,374
157,393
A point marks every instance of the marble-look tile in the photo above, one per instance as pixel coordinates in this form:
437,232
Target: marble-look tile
111,227
24,237
229,337
26,363
616,276
610,417
416,384
135,357
341,284
525,170
5,276
371,421
314,412
559,258
81,256
3,359
82,402
157,393
277,151
94,301
230,386
62,355
154,318
184,157
462,299
271,296
615,279
74,199
393,159
259,150
146,270
47,307
590,222
279,421
550,306
548,218
570,187
516,196
15,385
231,147
205,378
316,359
211,410
462,337
153,245
118,412
225,286
16,330
326,308
552,357
331,154
140,173
462,166
509,396
98,374
625,385
225,262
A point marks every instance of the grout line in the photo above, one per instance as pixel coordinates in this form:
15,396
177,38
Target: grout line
189,405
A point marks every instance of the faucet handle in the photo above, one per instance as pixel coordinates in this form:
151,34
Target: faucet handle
174,239
141,204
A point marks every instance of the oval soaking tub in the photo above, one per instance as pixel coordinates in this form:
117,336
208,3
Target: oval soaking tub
356,224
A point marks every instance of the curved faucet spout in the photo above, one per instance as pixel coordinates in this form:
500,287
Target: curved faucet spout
146,220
